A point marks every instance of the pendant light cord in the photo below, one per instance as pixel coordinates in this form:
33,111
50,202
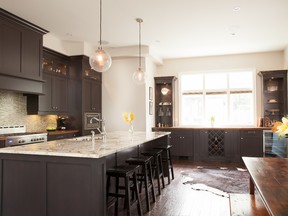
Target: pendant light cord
140,44
100,24
139,20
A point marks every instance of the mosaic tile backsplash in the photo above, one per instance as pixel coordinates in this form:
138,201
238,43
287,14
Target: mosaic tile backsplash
13,112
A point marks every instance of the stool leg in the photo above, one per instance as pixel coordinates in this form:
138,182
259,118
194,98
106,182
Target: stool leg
151,181
127,195
137,194
146,187
168,165
157,175
107,188
161,168
116,191
171,164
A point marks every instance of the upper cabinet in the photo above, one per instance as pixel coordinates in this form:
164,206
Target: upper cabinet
274,95
20,52
54,99
88,96
164,101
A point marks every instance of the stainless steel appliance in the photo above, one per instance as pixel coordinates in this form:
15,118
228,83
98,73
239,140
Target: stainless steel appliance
273,145
17,135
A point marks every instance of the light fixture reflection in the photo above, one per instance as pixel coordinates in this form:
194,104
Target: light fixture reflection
139,76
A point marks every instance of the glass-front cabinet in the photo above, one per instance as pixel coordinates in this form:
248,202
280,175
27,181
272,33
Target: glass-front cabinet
164,101
274,96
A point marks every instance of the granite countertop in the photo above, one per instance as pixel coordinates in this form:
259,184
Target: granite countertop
84,147
209,128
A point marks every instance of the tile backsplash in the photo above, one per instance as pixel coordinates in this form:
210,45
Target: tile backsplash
13,112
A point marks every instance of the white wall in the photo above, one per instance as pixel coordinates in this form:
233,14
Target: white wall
257,61
150,71
120,94
286,58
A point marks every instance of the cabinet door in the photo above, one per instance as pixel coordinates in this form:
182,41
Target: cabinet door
59,93
91,96
182,145
251,143
20,51
31,52
96,96
45,100
232,145
10,49
55,91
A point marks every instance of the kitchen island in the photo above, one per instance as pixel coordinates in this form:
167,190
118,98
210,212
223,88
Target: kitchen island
65,177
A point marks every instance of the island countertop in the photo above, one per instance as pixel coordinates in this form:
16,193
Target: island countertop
85,147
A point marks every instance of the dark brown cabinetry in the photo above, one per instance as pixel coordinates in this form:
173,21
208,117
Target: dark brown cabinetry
274,95
62,135
20,54
217,145
183,145
251,143
164,101
92,93
54,99
2,143
55,73
87,87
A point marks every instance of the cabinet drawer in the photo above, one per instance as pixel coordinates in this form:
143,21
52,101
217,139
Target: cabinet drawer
249,133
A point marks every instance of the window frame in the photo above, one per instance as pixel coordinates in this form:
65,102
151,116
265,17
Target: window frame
228,93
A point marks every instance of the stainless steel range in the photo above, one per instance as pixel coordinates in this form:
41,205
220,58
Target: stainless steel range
17,135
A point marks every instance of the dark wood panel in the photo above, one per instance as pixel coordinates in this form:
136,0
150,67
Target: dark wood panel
46,185
68,184
31,56
10,49
21,184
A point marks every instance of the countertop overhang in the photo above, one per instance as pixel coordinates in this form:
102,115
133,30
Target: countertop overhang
85,147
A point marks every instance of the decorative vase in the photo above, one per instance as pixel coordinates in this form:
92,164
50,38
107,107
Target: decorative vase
131,129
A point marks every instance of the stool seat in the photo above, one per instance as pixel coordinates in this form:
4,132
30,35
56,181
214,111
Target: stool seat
128,174
167,160
152,152
157,165
141,160
123,170
164,147
145,176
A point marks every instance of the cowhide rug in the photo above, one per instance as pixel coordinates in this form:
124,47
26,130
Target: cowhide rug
217,180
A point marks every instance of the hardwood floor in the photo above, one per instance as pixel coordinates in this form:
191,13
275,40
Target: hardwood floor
178,199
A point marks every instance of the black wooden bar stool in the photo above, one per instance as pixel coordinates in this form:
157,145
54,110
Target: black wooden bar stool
157,166
145,176
128,174
167,160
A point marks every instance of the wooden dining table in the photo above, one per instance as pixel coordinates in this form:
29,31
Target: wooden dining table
270,177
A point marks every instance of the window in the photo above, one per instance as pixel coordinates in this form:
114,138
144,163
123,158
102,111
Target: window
228,96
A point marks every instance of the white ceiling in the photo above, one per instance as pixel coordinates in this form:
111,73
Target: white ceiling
172,28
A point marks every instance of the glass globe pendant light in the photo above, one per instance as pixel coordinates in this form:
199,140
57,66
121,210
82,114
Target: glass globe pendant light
100,61
139,76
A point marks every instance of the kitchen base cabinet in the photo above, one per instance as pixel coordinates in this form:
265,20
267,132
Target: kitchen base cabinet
183,145
216,145
2,143
251,143
49,185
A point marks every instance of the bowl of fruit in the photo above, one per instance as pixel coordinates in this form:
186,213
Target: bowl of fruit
50,128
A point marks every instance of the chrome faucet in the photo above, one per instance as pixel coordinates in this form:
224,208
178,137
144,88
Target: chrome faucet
103,131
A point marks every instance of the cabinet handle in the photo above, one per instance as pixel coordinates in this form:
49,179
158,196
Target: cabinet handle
241,138
252,132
